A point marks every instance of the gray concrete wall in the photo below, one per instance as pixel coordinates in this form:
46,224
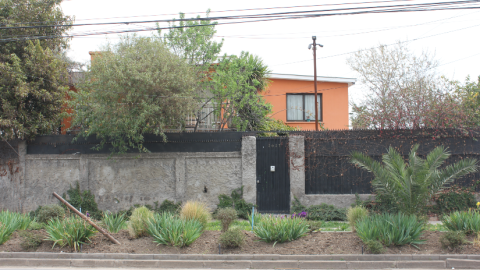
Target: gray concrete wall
122,181
11,179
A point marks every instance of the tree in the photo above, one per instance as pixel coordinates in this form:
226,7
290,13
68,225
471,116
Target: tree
193,41
32,78
236,84
470,92
404,91
135,87
411,185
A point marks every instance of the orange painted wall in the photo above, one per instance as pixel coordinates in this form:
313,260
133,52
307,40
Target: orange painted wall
334,101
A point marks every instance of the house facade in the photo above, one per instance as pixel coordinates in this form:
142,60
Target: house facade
292,98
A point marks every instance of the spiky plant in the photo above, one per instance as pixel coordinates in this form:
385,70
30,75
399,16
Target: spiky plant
411,185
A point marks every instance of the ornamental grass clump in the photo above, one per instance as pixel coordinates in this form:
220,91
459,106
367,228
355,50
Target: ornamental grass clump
468,221
114,222
137,226
391,229
195,210
280,229
167,229
71,231
10,222
355,214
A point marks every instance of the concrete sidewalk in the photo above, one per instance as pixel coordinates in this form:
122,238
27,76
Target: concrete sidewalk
228,261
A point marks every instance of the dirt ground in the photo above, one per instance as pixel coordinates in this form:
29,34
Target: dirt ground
313,243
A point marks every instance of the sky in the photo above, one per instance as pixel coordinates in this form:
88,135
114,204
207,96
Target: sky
451,36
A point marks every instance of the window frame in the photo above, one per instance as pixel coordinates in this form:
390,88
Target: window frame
320,103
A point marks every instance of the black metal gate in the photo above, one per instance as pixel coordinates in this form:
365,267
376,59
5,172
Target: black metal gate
273,175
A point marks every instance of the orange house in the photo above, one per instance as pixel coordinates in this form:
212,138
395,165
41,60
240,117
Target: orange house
292,97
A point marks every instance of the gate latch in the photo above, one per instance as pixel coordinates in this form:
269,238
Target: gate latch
272,168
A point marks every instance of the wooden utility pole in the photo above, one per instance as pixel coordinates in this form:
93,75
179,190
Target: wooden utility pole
86,219
315,78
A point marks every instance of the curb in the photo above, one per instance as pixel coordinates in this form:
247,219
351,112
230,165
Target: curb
234,257
260,261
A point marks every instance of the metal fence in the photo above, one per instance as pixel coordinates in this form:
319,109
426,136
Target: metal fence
328,169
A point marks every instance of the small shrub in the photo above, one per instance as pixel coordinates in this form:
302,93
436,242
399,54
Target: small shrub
374,246
455,198
167,229
30,240
169,207
71,231
137,226
326,212
114,222
391,229
36,225
83,200
48,212
453,239
355,214
195,210
476,240
280,229
226,217
232,238
236,201
297,206
314,225
468,221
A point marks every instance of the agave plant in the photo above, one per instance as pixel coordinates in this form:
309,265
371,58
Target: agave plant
411,185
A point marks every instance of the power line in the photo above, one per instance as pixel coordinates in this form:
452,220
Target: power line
221,23
407,41
221,11
290,15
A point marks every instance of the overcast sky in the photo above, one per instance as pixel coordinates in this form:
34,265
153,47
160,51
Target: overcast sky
283,45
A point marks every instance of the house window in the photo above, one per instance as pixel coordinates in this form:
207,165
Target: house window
301,107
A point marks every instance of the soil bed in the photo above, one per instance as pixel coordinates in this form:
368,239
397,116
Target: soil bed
313,243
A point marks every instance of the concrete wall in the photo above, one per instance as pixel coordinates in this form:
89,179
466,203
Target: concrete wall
122,181
125,180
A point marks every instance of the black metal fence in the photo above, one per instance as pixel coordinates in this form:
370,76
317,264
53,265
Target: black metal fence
327,155
176,142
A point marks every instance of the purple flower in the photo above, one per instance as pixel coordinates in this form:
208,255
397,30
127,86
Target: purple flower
88,214
303,214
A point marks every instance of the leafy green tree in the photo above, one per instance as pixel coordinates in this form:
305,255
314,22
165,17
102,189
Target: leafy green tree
470,92
411,185
32,77
193,41
236,84
133,88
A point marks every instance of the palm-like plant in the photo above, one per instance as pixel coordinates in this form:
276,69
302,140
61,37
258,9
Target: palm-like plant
411,185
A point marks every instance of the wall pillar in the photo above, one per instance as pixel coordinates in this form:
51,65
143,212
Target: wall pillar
249,169
296,145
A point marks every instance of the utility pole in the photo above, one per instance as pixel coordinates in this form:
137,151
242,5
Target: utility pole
315,76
